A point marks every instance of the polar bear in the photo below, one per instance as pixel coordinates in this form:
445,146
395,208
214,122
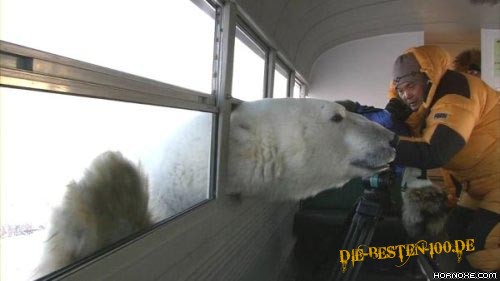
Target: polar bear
108,202
295,148
279,149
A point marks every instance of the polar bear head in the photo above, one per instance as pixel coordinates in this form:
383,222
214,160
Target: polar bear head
295,148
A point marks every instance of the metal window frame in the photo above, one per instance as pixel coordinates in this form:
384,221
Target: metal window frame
269,76
254,33
265,39
226,36
282,67
248,36
286,71
291,84
26,68
250,39
208,6
303,92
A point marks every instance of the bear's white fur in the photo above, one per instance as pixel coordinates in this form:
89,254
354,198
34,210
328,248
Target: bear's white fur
110,201
284,149
293,149
280,149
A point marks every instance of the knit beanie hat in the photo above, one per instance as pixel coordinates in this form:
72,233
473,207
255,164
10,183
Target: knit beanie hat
406,69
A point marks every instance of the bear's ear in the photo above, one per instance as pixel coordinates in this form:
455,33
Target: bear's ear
235,103
332,112
349,105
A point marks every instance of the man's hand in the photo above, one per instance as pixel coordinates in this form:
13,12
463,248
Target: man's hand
398,109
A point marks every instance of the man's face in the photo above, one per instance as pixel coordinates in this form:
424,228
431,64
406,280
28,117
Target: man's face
412,93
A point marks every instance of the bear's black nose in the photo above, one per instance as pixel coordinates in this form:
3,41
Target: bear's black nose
394,142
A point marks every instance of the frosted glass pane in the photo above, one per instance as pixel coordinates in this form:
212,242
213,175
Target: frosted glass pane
169,41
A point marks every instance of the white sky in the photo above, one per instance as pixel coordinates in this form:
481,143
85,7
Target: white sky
248,73
280,85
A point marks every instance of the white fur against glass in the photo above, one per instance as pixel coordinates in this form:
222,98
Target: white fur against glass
110,201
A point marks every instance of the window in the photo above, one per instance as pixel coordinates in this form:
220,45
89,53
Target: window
297,89
280,81
169,41
49,139
249,68
75,98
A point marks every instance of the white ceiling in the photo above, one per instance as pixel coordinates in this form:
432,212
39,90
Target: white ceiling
304,29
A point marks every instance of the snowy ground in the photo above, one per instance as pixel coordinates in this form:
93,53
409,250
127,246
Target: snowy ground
19,255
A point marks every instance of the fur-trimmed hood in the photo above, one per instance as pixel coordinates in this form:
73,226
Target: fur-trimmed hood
434,62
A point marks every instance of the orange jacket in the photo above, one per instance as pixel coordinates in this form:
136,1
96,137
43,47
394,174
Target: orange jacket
457,127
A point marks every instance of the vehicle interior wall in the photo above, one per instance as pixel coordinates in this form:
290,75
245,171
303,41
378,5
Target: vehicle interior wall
360,70
490,57
454,37
223,240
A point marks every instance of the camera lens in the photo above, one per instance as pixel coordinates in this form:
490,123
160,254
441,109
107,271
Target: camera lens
380,180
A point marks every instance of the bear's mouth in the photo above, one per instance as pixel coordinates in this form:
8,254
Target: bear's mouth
367,165
375,162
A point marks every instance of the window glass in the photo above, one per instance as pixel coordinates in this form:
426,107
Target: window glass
297,87
280,82
248,70
47,140
169,41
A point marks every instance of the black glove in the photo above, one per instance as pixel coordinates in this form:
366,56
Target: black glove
349,105
398,109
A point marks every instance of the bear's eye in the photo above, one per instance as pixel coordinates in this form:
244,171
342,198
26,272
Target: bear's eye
337,118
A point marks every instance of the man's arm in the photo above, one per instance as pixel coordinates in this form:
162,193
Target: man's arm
443,145
447,130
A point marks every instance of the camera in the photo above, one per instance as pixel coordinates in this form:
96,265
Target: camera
382,180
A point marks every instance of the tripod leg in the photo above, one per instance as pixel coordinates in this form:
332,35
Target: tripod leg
356,236
360,232
353,220
366,238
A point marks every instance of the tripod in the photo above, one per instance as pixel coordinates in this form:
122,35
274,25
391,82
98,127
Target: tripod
364,218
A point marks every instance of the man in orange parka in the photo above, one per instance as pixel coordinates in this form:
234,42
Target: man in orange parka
455,121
